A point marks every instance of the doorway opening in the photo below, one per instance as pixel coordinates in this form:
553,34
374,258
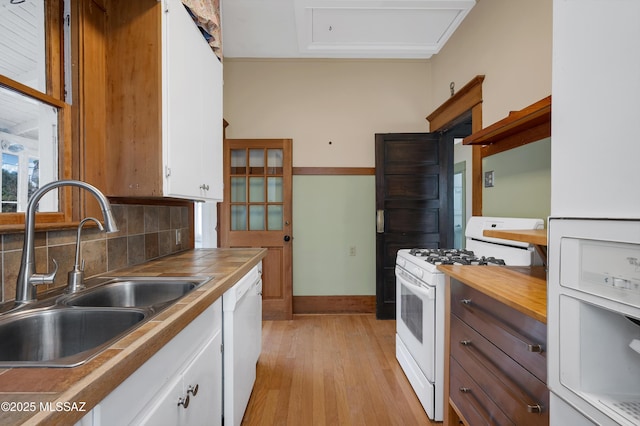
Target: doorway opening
459,203
459,129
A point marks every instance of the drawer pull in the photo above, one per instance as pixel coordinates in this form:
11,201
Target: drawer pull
465,390
465,342
481,313
534,408
193,390
535,348
184,402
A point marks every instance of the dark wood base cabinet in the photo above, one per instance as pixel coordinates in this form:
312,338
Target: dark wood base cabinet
497,362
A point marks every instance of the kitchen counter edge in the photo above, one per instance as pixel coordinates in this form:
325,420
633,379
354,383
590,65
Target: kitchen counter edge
522,288
91,382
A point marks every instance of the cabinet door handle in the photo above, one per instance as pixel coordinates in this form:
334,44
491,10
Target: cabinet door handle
465,342
184,402
535,348
537,409
193,390
465,390
466,302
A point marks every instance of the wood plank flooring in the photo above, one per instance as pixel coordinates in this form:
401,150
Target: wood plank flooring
331,370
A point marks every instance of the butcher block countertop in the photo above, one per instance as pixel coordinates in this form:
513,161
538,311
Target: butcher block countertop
522,288
532,236
22,390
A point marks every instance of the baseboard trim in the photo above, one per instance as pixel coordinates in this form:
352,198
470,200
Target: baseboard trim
334,304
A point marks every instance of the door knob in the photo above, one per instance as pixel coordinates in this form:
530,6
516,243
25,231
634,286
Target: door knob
287,238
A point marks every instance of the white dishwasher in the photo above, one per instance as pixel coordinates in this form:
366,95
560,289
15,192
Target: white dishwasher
242,336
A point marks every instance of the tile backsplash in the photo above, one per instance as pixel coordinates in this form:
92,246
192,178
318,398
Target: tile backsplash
145,232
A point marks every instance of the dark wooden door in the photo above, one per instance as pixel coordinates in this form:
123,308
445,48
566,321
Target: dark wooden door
414,174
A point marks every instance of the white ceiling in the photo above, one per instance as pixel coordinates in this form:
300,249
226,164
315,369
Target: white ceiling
339,28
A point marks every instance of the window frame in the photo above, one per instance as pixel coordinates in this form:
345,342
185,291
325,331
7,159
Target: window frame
54,96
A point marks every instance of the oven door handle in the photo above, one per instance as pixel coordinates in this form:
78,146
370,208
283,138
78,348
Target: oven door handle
430,292
413,283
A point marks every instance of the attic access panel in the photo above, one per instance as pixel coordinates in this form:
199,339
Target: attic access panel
377,29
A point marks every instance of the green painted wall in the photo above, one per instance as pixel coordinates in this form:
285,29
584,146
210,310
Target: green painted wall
332,215
522,182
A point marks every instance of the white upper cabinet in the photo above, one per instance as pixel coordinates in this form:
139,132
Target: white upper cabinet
163,104
191,109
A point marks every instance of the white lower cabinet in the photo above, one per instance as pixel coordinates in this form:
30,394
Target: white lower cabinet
181,384
194,397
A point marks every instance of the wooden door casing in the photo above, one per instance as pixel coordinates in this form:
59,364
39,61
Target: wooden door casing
277,270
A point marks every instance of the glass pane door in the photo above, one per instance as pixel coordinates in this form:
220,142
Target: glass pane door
256,189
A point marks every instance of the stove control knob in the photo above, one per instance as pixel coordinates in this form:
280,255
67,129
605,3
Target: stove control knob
418,272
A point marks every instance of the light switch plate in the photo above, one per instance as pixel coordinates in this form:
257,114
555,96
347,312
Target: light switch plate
488,179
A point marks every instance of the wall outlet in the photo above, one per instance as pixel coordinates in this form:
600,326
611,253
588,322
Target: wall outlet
488,179
352,251
178,237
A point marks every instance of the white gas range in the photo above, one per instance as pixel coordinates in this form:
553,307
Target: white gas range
420,300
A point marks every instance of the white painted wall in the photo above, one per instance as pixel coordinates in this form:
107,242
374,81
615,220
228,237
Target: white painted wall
508,41
317,101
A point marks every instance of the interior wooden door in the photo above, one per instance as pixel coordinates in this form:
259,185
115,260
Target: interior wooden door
256,212
414,208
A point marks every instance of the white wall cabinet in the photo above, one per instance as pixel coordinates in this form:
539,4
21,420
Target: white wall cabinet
191,108
151,395
163,105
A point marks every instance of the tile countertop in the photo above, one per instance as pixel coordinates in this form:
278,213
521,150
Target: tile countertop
522,288
22,390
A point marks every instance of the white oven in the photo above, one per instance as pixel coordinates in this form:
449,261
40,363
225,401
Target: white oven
419,330
420,301
594,321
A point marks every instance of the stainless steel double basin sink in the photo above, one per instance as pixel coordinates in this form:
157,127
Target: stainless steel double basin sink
68,330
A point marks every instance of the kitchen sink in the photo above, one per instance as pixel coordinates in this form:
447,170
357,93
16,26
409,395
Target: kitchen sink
135,292
68,330
62,336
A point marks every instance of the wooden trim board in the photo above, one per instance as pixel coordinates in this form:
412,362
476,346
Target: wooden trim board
337,171
334,304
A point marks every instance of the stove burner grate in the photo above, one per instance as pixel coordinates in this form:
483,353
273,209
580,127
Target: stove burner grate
454,257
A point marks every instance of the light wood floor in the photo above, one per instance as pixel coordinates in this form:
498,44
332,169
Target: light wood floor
331,370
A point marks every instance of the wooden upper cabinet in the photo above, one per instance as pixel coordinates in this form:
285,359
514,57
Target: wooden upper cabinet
527,125
163,105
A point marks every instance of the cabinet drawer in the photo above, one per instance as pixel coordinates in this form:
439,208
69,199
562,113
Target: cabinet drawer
474,405
518,335
518,392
